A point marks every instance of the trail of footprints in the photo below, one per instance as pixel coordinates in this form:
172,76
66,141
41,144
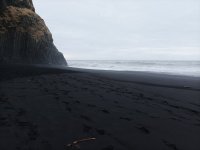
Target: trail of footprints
63,91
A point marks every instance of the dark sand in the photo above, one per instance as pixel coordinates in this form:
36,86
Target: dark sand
48,108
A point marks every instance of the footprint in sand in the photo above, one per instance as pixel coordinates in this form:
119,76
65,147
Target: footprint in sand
125,118
4,121
86,128
86,118
101,131
170,145
141,95
78,102
21,112
69,109
143,129
105,111
33,132
66,103
91,105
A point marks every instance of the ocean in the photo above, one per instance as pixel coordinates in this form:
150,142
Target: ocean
186,68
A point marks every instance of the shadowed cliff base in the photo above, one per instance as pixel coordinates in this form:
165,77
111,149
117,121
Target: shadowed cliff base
24,37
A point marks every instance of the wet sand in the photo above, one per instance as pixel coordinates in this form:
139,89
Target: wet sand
48,108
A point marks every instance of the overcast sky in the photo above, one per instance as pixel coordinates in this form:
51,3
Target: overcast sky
124,29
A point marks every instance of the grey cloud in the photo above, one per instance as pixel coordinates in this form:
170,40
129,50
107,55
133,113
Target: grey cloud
124,29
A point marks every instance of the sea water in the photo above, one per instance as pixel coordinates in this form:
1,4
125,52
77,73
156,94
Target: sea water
187,68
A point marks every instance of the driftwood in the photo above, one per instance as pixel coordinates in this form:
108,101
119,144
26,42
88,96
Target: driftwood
75,145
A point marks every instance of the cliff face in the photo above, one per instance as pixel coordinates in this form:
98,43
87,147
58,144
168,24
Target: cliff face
24,37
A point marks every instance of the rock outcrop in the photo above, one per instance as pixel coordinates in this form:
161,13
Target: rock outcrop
24,37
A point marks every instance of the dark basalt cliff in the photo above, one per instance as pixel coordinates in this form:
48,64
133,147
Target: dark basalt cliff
24,37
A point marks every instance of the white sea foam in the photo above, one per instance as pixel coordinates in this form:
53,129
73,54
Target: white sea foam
188,68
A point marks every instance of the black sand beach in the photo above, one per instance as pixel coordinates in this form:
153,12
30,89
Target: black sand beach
48,108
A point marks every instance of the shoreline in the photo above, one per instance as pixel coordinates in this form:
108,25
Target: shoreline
61,68
148,72
183,68
137,77
150,78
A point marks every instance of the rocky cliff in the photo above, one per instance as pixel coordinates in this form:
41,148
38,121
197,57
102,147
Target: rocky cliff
24,37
